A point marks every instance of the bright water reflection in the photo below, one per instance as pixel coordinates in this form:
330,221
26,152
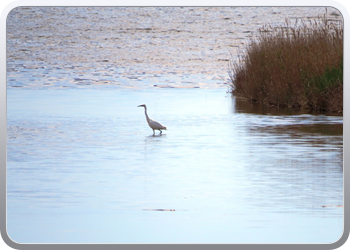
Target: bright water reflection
83,166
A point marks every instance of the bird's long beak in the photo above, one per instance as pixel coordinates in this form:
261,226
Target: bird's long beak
139,106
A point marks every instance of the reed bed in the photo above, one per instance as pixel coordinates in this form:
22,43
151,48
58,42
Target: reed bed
299,65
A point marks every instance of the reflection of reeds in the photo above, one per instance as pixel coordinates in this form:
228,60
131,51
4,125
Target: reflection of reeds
293,66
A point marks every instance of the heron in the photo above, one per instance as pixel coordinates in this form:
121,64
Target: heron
152,123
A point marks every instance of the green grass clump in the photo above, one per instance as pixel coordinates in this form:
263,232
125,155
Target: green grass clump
299,66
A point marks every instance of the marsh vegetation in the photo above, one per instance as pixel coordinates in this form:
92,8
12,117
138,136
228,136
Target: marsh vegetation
296,65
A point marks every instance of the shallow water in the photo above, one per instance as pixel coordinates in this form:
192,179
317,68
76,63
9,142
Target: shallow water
89,159
84,167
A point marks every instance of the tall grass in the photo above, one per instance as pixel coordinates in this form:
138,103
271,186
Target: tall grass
295,66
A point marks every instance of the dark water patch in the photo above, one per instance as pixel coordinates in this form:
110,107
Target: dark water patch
325,129
80,79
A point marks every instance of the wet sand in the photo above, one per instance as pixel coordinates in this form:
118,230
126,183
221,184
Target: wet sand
190,46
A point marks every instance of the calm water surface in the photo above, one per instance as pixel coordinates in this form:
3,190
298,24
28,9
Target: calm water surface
84,167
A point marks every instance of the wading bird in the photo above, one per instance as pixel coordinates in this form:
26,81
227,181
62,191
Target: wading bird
153,124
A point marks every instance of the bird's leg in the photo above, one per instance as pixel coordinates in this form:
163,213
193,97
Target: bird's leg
153,131
160,132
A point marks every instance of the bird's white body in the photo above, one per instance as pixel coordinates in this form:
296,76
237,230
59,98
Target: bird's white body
152,123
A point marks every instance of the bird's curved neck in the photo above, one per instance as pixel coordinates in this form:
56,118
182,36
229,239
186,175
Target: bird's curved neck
147,118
